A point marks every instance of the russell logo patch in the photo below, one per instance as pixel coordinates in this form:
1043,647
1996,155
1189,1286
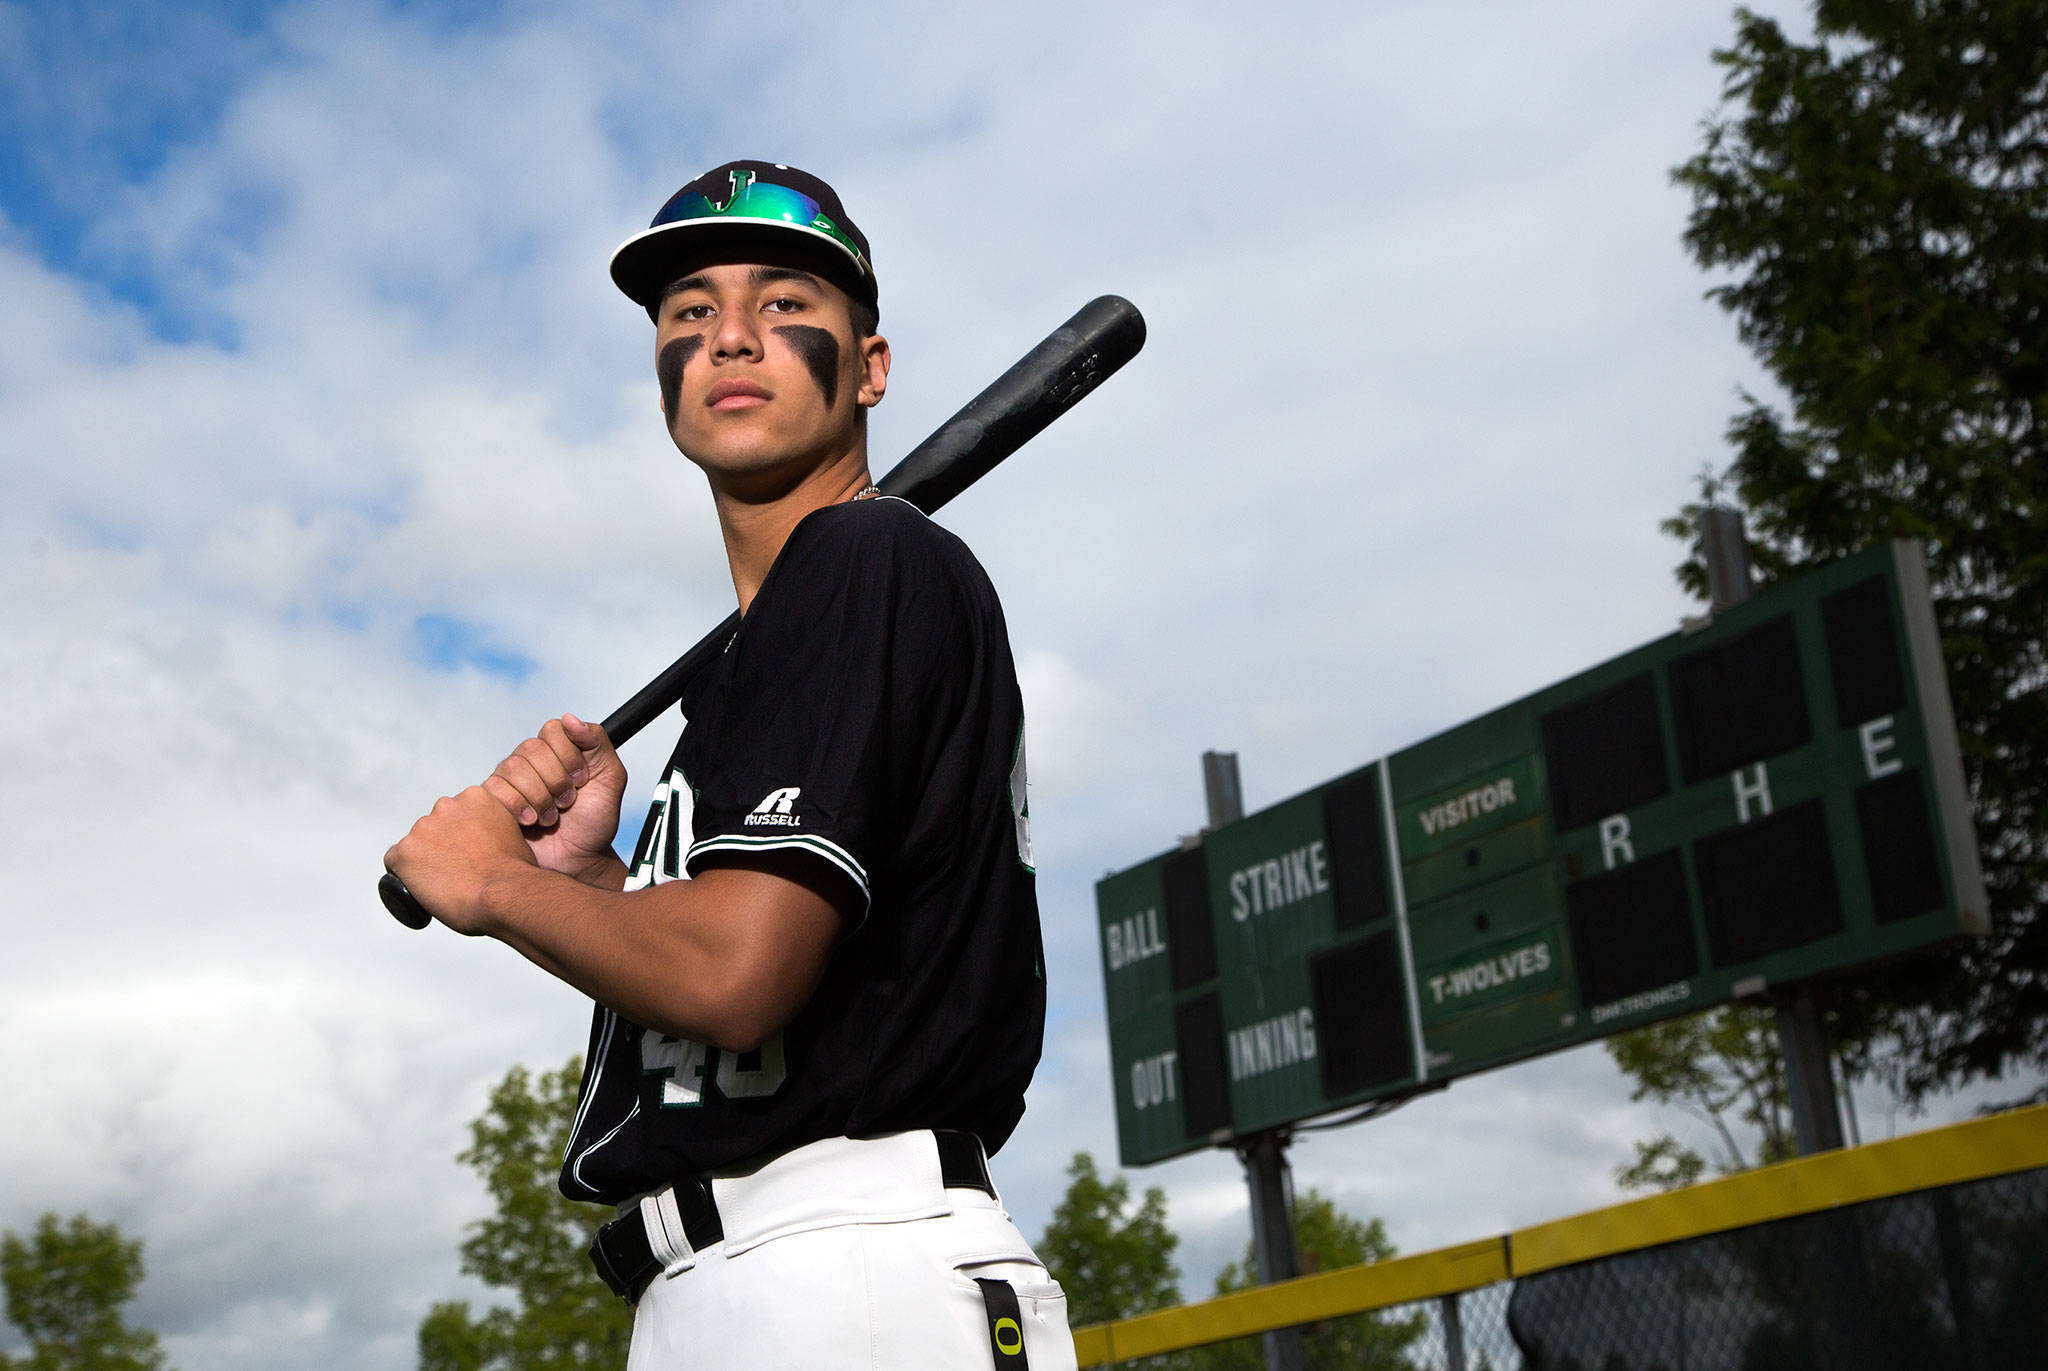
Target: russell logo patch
776,808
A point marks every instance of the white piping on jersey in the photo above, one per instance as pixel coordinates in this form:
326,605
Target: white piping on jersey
594,1072
901,501
830,851
576,1171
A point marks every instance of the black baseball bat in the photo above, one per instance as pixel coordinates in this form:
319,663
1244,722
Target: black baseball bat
1045,383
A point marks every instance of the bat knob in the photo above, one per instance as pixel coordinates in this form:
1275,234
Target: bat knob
400,902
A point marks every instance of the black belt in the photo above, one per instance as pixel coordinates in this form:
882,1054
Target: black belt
624,1255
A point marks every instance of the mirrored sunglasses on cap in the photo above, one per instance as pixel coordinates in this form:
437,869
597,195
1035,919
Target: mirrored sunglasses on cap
762,202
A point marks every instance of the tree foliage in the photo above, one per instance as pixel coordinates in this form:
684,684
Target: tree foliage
1113,1261
1878,198
1722,1067
534,1246
65,1287
1328,1239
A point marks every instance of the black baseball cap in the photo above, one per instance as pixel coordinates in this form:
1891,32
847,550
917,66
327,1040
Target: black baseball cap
767,206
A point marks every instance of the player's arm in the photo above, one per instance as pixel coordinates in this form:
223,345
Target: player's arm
727,958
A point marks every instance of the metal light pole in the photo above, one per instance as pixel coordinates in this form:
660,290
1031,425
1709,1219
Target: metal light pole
1264,1155
1802,1038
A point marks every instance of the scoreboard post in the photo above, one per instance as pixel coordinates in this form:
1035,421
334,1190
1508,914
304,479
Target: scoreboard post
1740,807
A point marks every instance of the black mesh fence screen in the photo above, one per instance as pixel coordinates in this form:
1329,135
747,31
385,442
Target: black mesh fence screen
1951,1279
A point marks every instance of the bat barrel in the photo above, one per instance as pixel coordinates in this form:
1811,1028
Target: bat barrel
1045,383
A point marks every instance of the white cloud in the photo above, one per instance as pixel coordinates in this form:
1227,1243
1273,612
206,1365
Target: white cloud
1072,718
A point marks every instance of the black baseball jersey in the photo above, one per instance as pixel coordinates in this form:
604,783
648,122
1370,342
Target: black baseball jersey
866,716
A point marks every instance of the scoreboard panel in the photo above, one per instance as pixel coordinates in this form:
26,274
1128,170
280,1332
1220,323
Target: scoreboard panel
1776,797
1259,974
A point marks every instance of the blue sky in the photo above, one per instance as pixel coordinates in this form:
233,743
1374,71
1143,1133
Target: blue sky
96,97
333,468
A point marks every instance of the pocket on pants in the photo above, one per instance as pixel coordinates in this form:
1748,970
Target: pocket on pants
1025,1275
1036,1335
930,1313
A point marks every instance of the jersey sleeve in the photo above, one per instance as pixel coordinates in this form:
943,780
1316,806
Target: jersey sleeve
855,649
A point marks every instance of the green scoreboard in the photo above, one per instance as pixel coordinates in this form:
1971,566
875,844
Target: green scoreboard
1775,796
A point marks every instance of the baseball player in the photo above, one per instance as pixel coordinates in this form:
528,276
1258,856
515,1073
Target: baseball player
819,984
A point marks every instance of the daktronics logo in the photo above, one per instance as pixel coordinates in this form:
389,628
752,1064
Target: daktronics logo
776,808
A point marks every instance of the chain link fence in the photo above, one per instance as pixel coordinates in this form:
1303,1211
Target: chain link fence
1948,1279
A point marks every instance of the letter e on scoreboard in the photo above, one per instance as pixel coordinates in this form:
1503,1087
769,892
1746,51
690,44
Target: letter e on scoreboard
1876,737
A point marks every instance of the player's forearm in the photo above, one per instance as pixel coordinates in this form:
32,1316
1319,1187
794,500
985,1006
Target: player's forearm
667,958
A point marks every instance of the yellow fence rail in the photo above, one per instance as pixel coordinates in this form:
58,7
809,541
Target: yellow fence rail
1976,1150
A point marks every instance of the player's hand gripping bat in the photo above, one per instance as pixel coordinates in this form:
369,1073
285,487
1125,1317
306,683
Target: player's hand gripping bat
1044,384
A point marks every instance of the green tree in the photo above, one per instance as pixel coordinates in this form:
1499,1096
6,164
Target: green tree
1112,1260
535,1245
1878,197
65,1287
1723,1068
1328,1239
